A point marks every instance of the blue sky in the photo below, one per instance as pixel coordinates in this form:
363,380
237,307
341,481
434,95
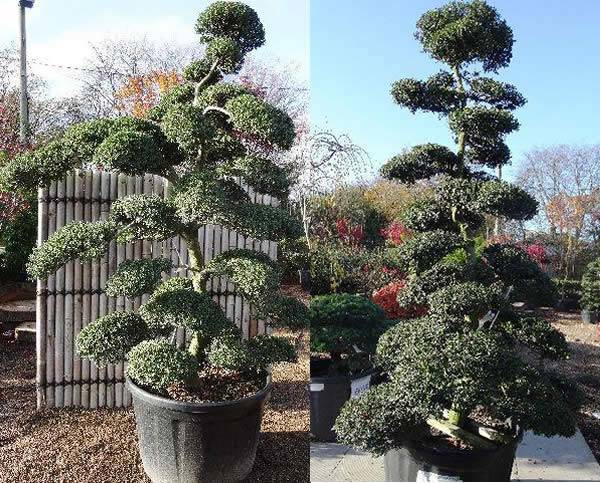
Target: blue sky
353,51
59,31
359,48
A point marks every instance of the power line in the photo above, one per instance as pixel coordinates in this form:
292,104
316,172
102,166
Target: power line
98,70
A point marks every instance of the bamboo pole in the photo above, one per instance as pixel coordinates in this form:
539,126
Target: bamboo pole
120,302
68,319
78,194
41,301
103,272
112,301
95,285
86,308
60,316
50,304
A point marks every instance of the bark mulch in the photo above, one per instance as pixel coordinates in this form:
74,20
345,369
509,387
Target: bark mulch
75,445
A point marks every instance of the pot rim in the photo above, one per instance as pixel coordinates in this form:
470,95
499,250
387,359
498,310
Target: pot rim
342,378
192,407
419,446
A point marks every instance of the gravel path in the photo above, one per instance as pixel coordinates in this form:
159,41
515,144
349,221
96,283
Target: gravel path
101,446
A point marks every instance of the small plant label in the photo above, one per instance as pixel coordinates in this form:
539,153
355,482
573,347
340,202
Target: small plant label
358,386
423,476
316,387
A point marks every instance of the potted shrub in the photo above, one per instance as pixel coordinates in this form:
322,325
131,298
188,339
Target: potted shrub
198,408
590,293
343,331
460,390
569,293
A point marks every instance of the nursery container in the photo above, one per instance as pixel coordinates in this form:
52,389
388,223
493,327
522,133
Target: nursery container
304,278
416,462
327,396
590,316
187,442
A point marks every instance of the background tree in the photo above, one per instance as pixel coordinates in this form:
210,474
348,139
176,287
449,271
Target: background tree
565,180
196,138
462,356
116,63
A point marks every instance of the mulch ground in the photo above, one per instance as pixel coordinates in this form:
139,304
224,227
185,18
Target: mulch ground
74,445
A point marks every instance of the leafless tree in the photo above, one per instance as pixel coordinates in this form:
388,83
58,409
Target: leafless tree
48,115
566,182
113,62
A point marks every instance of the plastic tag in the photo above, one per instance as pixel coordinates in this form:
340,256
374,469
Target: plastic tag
423,476
358,386
317,387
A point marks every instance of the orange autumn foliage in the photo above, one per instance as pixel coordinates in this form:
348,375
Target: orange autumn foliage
141,93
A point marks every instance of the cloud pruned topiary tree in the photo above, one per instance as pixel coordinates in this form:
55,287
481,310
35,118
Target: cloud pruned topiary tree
462,358
196,138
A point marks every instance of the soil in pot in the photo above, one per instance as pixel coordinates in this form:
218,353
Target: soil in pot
439,457
197,442
328,393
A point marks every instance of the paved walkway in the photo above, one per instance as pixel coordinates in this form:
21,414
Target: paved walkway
538,459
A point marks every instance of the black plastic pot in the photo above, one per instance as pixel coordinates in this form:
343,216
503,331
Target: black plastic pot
186,442
416,462
304,278
567,304
590,316
327,396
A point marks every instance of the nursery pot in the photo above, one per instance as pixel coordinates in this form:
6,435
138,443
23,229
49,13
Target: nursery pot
590,316
327,396
304,278
416,462
189,442
566,304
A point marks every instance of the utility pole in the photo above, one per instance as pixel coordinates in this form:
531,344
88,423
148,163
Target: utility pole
24,117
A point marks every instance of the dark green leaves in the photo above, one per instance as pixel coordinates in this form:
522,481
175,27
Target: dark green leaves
437,94
590,286
254,274
263,175
156,364
256,354
504,199
86,241
256,118
134,278
464,32
338,322
144,217
172,306
233,20
421,162
31,170
110,338
131,152
498,94
226,52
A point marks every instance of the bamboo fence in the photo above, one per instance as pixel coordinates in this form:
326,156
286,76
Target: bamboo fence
73,297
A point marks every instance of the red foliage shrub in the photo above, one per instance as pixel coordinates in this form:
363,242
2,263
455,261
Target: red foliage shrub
537,252
395,233
386,298
351,235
